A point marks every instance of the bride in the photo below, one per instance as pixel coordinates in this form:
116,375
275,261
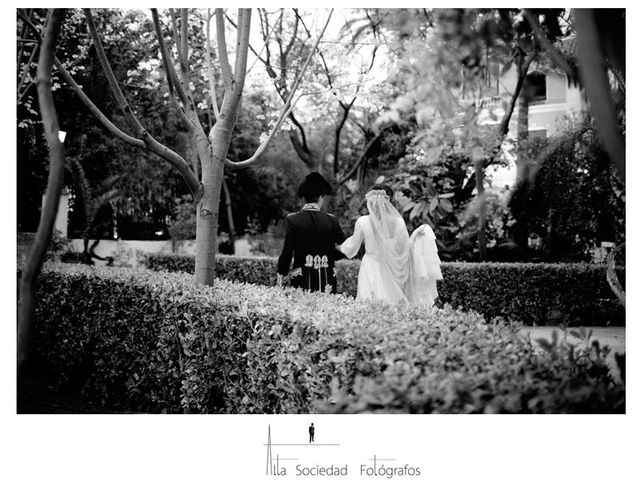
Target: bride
395,267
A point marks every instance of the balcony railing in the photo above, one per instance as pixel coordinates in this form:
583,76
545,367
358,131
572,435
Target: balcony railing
488,103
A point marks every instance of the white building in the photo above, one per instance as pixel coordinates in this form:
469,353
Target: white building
554,101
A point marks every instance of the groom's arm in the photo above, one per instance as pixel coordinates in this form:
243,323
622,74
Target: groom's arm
339,237
284,261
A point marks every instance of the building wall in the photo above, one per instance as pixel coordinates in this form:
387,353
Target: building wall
547,118
563,102
556,88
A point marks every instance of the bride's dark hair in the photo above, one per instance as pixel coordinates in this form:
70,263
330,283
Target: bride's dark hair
385,188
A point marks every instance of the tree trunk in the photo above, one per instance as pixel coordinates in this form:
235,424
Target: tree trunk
482,212
521,228
213,150
207,210
523,135
336,145
594,74
612,276
207,224
522,64
308,156
232,227
26,302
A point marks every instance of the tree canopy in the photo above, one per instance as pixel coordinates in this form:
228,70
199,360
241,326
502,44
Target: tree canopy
391,95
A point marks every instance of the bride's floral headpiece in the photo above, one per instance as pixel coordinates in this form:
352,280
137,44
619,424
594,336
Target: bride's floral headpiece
376,193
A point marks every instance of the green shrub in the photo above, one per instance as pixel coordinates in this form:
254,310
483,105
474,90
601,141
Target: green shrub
533,293
138,340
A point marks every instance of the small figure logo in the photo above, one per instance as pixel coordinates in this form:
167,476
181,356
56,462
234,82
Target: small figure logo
312,431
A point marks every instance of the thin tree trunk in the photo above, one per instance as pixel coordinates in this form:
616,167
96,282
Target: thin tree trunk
521,228
593,72
193,155
232,227
336,145
355,169
523,67
612,276
523,135
26,303
304,152
482,212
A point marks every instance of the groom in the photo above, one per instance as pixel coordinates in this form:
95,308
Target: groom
310,239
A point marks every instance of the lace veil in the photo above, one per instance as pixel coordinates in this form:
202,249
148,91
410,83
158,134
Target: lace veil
390,234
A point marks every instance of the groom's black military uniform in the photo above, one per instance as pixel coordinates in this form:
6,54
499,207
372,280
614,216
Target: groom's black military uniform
310,239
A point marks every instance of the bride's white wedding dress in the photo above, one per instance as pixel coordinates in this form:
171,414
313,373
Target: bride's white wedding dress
395,268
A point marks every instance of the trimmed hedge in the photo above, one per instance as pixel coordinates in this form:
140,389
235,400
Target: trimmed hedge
531,293
145,341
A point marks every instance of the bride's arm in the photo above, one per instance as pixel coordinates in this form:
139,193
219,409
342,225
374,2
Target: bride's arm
352,244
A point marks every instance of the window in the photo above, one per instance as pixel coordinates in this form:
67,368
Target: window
537,87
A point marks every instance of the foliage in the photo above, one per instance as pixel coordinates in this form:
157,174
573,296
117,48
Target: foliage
269,243
499,221
31,177
468,50
58,246
146,184
574,200
155,342
183,225
532,293
432,188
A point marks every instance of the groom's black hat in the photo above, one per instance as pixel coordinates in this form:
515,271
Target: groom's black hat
314,186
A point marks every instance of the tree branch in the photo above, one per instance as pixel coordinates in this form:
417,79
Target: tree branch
210,71
612,276
362,158
172,76
95,110
292,40
286,109
265,46
346,108
88,103
22,92
176,37
244,18
181,85
152,144
254,158
22,36
553,52
123,105
522,75
227,75
594,77
25,71
184,39
239,32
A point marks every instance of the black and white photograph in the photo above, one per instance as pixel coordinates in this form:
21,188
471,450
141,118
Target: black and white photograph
255,224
